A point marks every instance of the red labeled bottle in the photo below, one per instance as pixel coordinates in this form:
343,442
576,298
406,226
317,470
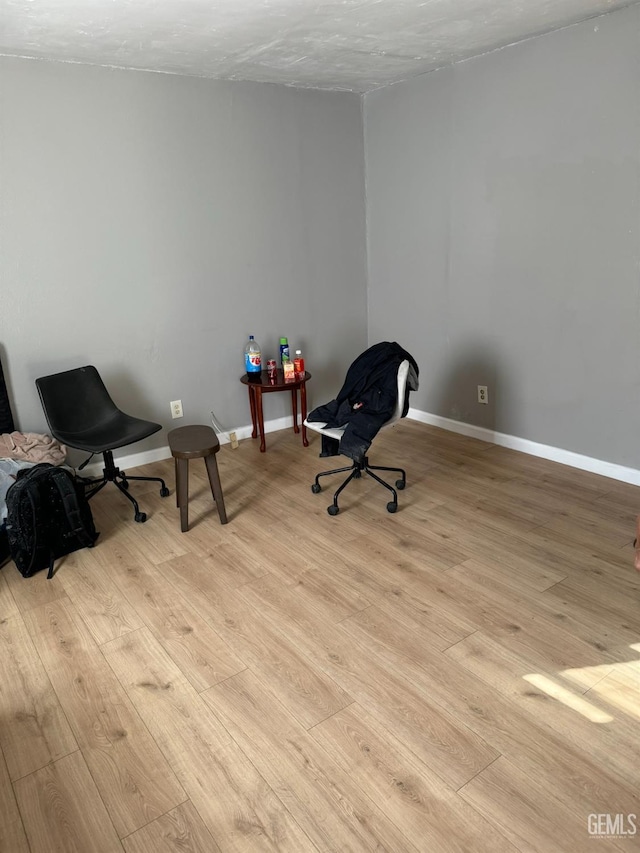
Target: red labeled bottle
298,364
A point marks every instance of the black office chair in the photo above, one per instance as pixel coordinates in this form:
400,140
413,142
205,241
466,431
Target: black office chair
82,415
6,425
6,415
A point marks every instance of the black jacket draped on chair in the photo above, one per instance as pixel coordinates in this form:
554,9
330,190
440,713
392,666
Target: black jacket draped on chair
367,399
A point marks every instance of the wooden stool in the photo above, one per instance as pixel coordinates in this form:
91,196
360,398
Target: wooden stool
195,442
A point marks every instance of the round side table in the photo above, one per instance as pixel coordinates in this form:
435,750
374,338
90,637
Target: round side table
265,385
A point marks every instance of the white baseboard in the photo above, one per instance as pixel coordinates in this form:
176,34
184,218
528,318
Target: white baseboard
132,460
533,448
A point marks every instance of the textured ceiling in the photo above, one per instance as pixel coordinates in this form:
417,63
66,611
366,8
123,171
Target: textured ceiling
354,45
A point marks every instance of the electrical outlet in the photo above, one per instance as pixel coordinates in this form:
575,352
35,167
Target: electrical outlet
483,394
176,408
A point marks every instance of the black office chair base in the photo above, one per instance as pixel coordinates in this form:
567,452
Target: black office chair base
355,471
112,474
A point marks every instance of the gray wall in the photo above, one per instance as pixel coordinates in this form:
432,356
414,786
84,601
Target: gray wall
150,223
503,236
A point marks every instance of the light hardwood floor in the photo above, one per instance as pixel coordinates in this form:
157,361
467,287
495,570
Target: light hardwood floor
463,675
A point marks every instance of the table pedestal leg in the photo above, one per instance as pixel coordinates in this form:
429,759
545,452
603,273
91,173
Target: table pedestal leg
252,406
294,408
260,416
303,412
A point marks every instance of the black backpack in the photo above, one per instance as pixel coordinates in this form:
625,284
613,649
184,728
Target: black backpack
48,515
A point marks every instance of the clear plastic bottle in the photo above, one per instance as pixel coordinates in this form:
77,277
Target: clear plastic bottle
298,364
252,358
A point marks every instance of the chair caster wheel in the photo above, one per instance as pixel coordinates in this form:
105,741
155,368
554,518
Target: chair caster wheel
125,484
164,493
392,506
400,484
316,488
140,517
333,509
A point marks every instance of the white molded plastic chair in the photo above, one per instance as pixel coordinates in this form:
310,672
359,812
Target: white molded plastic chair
359,467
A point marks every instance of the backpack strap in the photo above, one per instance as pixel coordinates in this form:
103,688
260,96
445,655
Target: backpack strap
70,502
35,503
29,476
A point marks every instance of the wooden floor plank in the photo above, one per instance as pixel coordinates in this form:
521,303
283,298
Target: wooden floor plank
238,807
34,729
537,729
105,610
200,652
135,782
62,809
12,835
498,613
530,814
324,799
36,590
430,813
307,690
619,691
581,620
8,606
179,831
450,749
